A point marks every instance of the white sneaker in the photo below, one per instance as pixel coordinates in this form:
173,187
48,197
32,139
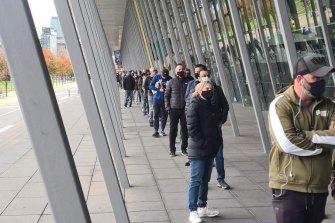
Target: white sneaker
207,212
194,217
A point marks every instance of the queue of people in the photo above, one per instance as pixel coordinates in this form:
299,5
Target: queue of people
200,108
301,126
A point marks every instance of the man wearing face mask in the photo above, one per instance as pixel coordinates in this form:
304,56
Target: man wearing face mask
191,84
175,104
158,86
302,130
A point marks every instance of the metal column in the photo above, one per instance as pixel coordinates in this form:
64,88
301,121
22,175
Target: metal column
171,31
150,31
41,113
325,32
153,33
107,59
195,38
265,47
87,95
134,40
99,88
141,38
164,34
146,31
287,36
220,67
145,41
158,31
182,37
250,76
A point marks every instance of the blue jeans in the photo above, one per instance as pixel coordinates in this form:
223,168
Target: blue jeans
128,97
145,105
201,170
219,164
159,114
151,109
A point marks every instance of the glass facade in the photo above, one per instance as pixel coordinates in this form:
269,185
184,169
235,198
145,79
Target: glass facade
263,38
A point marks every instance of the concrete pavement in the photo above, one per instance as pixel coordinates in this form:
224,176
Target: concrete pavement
158,191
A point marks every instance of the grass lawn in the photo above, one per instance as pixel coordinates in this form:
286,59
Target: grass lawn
10,86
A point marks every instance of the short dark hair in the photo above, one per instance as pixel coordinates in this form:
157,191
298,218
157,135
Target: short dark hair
203,67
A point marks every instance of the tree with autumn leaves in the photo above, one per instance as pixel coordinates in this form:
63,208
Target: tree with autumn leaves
4,71
60,66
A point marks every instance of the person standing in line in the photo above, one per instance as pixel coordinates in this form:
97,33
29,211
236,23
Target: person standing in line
175,104
149,94
158,86
137,91
145,105
191,84
204,139
129,86
222,107
302,131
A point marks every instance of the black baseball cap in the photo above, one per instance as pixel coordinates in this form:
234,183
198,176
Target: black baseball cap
312,65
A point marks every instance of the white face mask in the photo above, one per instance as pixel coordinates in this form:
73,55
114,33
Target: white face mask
204,79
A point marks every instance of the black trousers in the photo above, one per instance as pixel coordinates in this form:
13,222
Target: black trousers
297,207
177,115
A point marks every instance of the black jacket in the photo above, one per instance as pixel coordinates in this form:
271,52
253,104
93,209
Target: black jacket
146,85
129,83
204,136
220,102
174,93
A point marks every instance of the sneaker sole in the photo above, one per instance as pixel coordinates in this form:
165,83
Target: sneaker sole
198,221
207,216
225,188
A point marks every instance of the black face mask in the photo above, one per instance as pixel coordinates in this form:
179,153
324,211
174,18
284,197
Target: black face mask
207,95
196,75
180,73
317,88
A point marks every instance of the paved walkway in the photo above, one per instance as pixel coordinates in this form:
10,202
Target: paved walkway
159,183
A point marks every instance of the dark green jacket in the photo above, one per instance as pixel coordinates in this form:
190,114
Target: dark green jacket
302,144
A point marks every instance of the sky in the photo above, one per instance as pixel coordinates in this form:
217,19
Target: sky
42,11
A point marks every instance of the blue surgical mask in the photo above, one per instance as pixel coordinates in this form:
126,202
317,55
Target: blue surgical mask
204,79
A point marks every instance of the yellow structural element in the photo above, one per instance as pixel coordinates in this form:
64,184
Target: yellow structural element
142,32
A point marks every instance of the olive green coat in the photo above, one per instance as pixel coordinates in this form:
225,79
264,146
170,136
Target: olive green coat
302,144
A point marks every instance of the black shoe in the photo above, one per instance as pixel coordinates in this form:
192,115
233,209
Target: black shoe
184,153
172,154
125,105
187,163
222,184
156,135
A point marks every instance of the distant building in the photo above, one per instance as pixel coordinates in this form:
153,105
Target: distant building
61,48
55,24
49,39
